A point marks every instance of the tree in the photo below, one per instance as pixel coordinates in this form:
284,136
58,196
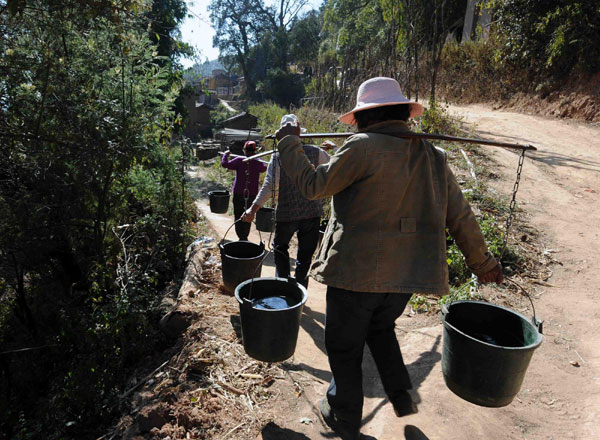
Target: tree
305,40
85,155
551,37
283,87
238,27
248,32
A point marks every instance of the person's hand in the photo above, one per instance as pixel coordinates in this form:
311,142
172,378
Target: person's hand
493,276
287,129
248,215
328,145
227,152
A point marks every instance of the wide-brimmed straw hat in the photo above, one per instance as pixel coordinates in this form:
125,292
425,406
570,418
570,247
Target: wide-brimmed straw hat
380,92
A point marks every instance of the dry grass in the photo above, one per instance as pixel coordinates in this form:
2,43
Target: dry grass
209,388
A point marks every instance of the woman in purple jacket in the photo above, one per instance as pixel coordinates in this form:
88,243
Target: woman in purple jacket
245,185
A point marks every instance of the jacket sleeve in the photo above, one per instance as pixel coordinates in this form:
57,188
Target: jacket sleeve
465,230
270,184
343,168
261,166
229,164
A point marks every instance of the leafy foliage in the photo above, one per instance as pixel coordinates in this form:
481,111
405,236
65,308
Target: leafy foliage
283,87
551,36
435,119
254,38
94,208
219,115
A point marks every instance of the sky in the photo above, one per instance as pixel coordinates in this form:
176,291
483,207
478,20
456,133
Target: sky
197,32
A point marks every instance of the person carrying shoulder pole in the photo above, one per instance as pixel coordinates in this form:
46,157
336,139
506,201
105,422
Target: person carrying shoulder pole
245,185
393,199
294,213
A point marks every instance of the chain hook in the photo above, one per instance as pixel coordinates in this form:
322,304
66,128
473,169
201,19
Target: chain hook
513,203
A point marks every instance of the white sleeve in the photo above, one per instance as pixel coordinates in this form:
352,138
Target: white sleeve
270,184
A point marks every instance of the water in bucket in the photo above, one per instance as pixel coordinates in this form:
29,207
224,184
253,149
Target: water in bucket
495,336
273,303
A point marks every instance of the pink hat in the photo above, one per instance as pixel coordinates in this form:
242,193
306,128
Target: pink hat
379,92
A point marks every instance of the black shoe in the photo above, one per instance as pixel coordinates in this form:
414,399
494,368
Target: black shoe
404,405
340,427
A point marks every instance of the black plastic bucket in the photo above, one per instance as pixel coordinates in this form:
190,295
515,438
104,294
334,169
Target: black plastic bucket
486,351
270,335
219,201
264,220
240,261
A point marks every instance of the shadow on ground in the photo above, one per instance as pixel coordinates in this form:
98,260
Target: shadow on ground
413,433
274,432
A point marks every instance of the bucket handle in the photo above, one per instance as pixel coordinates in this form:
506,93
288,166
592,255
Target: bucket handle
536,322
289,278
229,228
249,298
444,307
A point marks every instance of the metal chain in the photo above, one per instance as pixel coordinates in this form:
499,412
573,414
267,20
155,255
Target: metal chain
246,190
513,203
273,189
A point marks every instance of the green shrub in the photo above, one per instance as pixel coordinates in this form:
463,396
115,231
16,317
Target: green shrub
435,119
218,115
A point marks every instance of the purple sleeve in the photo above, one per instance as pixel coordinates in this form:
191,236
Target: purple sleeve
230,164
261,166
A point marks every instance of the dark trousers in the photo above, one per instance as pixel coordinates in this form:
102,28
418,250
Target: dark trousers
353,318
308,238
242,229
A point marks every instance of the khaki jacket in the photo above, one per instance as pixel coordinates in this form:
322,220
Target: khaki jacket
392,201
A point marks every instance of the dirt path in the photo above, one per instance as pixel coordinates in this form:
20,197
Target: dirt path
560,189
560,397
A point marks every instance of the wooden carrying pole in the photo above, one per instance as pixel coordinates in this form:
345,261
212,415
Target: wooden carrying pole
222,153
441,137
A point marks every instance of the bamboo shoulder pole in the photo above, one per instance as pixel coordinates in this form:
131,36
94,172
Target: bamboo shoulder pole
408,135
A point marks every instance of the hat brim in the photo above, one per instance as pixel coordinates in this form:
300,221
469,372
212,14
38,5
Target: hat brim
416,109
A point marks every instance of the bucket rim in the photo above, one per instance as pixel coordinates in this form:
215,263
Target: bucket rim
261,246
225,192
528,347
303,289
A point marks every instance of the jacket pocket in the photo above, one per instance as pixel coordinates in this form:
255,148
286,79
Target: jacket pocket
408,225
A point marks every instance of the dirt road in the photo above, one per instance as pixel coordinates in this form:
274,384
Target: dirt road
560,396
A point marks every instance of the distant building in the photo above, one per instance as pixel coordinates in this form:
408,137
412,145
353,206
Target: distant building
223,84
198,105
198,124
234,139
241,121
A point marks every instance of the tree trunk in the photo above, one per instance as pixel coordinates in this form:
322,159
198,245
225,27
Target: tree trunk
468,23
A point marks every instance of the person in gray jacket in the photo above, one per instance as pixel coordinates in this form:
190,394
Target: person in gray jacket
294,214
393,199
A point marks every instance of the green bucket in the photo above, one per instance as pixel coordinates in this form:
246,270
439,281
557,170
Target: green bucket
486,351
